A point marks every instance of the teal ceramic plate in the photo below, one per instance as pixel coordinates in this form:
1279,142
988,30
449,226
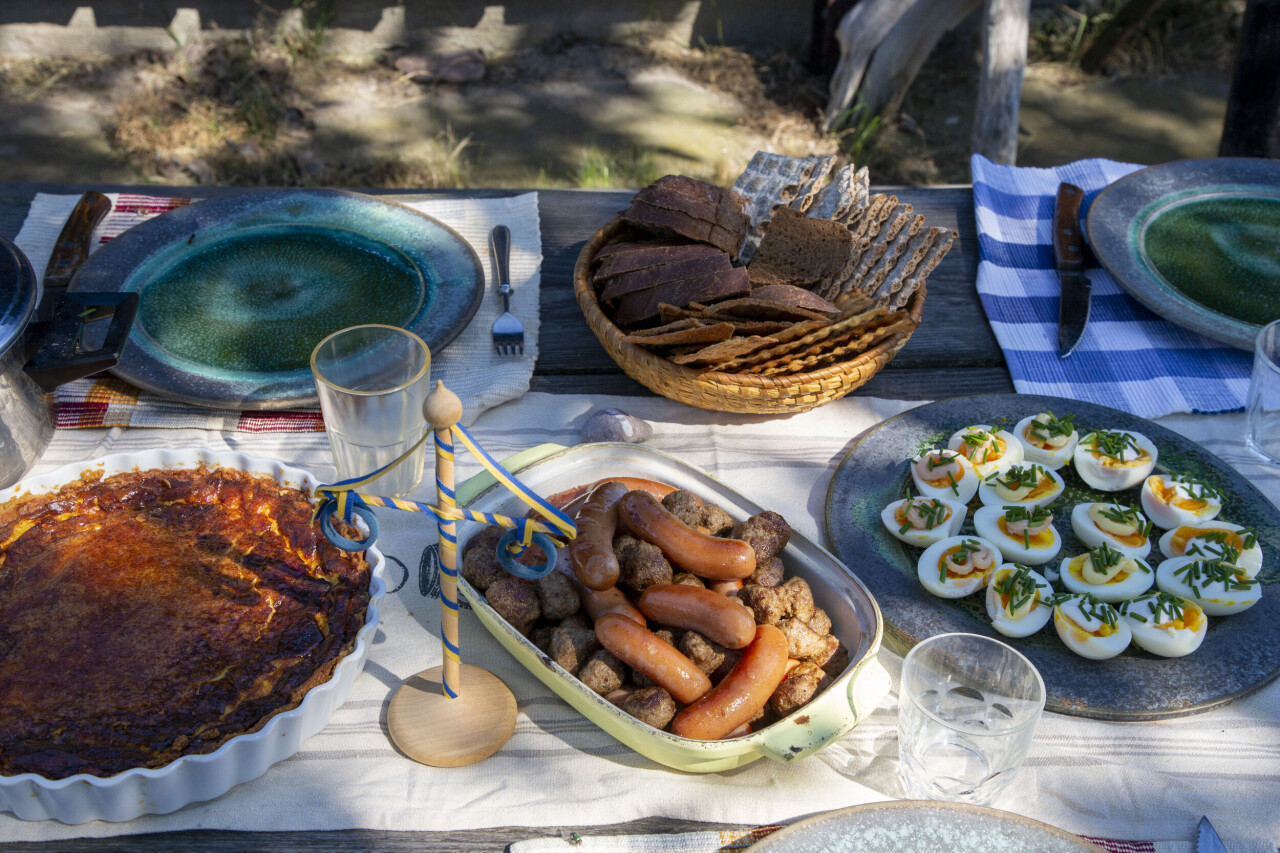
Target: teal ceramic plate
235,292
914,826
1196,242
1240,653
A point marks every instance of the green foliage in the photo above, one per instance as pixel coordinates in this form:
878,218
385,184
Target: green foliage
856,132
601,169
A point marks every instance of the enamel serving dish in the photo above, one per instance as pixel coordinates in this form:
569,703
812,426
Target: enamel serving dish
191,778
855,617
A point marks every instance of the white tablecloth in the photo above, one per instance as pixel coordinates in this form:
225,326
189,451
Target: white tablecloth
1140,781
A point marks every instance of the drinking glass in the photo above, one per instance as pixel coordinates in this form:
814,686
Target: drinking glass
372,381
967,710
1262,432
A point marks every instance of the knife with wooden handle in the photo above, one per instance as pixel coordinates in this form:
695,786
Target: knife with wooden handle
72,248
1068,256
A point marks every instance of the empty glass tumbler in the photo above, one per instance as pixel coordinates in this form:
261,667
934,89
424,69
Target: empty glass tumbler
1262,408
967,711
372,381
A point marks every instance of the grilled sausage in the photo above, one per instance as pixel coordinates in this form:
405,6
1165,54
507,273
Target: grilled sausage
660,662
706,556
715,616
591,551
743,692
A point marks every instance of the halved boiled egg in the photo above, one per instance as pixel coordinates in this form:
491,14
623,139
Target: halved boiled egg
945,475
988,449
1112,460
1118,526
1214,539
1047,440
1090,628
957,566
1021,485
1018,600
1219,588
1170,500
1107,574
1023,534
922,521
1164,624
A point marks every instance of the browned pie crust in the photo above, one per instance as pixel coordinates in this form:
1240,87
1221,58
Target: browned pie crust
155,614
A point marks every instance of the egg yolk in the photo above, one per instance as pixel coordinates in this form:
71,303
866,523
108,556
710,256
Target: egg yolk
1168,494
1076,567
988,452
1042,488
1133,540
1043,443
1043,539
945,482
1191,619
1183,535
1080,633
945,562
900,516
1031,605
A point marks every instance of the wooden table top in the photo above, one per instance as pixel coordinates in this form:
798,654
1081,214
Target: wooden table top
953,352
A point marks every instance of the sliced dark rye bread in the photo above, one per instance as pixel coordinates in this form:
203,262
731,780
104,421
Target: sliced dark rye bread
638,256
640,306
630,282
798,249
663,220
704,201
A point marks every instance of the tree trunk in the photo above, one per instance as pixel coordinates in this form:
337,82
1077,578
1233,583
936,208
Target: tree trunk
1253,107
861,30
1004,60
903,52
1127,21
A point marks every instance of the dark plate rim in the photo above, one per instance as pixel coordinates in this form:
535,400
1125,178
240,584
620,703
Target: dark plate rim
1124,201
1085,681
109,268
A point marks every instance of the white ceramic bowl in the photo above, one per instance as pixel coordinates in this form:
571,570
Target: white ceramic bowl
191,778
855,617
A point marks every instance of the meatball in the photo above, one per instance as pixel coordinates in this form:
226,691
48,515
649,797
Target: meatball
688,579
622,546
570,647
792,599
767,533
685,506
557,596
603,673
706,655
541,637
804,643
835,664
516,601
645,566
651,705
820,621
768,573
575,620
480,564
797,688
714,519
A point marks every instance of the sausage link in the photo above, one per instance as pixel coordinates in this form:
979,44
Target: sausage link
591,551
598,602
656,659
653,487
729,587
720,619
742,693
704,555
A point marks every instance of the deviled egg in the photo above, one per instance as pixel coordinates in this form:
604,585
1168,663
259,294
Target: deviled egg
1090,628
945,475
1164,624
1121,527
1111,460
957,566
1021,485
989,450
1220,588
1047,440
1170,500
1215,539
922,521
1018,600
1023,534
1107,574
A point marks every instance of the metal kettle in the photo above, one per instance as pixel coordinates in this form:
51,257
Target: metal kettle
37,357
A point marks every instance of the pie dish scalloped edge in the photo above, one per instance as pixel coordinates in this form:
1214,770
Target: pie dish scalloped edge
191,778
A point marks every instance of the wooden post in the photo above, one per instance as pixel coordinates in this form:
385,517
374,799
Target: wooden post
455,714
1004,60
903,52
860,32
1253,107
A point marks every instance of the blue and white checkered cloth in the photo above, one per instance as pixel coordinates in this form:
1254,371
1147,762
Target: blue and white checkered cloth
1129,358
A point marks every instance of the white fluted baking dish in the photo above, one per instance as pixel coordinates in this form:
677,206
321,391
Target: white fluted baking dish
191,778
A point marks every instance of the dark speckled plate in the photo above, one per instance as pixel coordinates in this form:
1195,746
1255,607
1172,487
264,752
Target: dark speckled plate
1195,241
235,292
1240,653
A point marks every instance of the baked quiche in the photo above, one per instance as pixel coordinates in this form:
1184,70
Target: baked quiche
154,614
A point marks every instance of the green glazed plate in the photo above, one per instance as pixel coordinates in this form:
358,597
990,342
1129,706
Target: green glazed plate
1197,242
1240,653
235,292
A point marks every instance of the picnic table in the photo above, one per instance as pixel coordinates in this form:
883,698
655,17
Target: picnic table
952,353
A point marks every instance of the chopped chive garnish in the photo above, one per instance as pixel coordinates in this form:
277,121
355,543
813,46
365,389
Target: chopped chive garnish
1051,427
1112,444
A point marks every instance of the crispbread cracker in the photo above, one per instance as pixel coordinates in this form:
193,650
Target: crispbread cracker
749,308
843,351
771,180
812,337
698,334
838,199
724,350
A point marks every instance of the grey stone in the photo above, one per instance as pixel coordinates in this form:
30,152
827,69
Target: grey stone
615,425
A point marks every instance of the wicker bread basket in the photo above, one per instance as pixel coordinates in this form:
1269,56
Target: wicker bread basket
728,392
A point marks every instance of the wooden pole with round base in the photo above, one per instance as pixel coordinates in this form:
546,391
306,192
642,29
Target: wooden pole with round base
450,715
